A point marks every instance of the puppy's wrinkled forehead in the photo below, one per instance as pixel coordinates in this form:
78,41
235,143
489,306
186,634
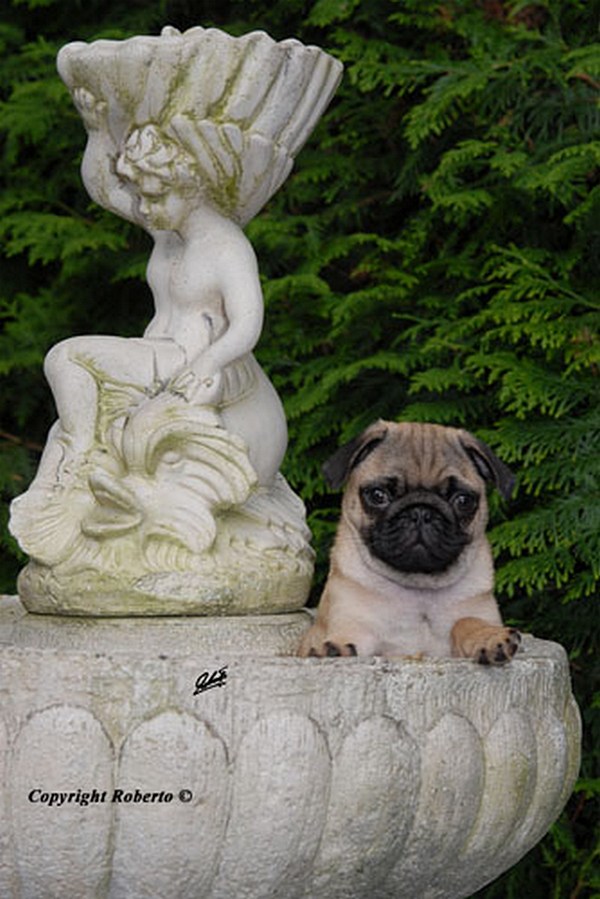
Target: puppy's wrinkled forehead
423,455
427,454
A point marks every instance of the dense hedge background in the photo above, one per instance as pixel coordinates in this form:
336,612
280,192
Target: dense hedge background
434,256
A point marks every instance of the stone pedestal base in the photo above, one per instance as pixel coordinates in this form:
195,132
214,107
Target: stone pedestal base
124,774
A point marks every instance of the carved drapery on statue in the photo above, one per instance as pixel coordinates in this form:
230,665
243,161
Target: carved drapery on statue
159,489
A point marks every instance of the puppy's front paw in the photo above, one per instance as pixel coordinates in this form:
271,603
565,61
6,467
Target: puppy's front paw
498,647
331,649
487,644
316,644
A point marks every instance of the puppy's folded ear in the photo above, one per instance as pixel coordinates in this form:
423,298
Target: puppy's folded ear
338,467
488,465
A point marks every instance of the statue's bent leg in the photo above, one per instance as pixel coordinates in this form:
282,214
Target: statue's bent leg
52,459
76,366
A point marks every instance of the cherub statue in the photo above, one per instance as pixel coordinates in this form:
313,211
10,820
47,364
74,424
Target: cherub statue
165,456
208,310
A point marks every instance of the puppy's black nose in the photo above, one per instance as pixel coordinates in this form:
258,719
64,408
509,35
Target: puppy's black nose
420,515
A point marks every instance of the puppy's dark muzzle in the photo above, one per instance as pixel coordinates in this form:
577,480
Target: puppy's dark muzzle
420,516
418,536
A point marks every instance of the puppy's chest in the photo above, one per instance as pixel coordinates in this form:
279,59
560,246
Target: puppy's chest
417,628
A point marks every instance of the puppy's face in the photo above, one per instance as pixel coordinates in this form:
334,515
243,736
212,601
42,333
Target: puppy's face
416,495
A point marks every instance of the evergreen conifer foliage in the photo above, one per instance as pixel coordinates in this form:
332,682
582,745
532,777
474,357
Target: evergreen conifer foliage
453,271
433,256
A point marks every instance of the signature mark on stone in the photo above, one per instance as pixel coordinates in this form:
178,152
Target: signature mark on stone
208,680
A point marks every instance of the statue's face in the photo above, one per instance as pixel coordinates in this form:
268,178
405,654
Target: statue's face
157,171
164,208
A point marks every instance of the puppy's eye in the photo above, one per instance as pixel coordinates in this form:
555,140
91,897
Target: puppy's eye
377,496
464,503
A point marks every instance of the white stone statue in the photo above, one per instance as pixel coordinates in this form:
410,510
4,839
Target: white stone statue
159,489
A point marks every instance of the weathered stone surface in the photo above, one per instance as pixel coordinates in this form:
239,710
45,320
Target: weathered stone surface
315,779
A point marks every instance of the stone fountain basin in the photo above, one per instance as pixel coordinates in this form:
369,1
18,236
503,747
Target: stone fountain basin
295,778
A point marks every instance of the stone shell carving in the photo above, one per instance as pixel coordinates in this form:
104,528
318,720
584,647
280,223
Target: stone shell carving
310,779
241,106
259,553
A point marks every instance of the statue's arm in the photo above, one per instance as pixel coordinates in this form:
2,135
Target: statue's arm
98,167
239,284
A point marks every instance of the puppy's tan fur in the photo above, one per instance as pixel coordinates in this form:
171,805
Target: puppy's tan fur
370,608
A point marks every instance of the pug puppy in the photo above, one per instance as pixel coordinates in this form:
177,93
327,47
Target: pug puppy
411,569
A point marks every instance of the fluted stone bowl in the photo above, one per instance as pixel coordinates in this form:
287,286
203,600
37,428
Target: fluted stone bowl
126,774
